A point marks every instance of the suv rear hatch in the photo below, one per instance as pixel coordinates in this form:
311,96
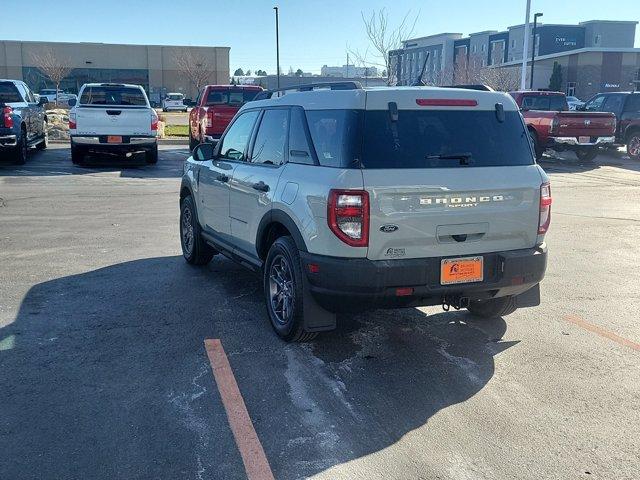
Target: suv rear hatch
113,110
448,173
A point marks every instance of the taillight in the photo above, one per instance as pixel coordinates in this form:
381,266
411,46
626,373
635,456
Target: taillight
72,121
8,119
545,208
348,216
553,125
154,122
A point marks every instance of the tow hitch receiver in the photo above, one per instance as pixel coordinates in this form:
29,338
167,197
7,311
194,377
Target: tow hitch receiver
455,302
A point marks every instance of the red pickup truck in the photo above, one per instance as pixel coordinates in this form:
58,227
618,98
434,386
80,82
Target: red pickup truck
215,107
552,125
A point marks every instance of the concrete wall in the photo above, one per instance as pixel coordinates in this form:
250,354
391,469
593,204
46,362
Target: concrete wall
157,61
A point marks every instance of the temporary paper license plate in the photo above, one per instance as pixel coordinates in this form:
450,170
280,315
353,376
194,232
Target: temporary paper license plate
584,139
114,139
461,270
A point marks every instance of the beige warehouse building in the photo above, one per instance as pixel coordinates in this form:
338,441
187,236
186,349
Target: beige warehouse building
155,67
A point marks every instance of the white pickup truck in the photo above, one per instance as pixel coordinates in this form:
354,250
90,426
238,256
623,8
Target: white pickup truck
113,119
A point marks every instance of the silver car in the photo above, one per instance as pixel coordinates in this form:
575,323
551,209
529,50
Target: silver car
345,198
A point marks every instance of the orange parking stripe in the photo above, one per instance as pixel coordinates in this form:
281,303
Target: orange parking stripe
576,320
253,456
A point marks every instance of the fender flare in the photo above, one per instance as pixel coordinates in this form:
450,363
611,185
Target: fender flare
280,217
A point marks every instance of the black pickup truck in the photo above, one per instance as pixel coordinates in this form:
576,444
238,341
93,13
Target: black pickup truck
23,122
626,107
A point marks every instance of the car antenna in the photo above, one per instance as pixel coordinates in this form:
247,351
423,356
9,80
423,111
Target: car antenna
419,82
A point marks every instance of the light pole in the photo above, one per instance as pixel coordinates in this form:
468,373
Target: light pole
525,51
533,47
277,48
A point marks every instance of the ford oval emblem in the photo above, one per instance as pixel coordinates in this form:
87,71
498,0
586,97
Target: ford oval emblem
388,228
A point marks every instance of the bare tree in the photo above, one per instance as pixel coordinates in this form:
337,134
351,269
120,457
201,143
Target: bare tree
503,79
383,39
53,66
194,66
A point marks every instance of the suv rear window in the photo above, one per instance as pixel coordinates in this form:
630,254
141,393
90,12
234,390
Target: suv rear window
175,97
423,138
113,95
547,103
230,97
9,93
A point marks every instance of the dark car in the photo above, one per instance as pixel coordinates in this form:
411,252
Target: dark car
23,122
626,107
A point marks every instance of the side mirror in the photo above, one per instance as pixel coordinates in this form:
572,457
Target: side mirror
203,152
42,100
72,102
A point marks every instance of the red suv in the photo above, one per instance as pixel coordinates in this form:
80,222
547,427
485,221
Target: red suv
215,107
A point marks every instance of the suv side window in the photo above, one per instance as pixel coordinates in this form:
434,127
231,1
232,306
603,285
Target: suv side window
23,92
633,103
271,140
299,150
613,104
595,104
234,144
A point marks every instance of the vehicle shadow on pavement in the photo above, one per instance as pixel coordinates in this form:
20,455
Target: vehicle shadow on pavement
57,162
104,375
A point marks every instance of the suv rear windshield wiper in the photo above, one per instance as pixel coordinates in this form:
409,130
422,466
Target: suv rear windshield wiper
465,158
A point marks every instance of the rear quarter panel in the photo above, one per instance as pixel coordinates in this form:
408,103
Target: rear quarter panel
302,194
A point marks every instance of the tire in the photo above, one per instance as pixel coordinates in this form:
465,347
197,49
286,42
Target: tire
537,149
586,154
77,157
194,249
493,308
633,145
152,156
45,141
20,151
284,291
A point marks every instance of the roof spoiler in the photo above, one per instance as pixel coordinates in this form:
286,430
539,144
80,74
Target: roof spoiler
308,87
482,88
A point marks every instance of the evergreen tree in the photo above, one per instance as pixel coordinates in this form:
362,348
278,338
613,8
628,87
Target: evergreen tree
555,81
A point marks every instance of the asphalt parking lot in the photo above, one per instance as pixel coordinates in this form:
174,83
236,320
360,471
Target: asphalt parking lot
104,372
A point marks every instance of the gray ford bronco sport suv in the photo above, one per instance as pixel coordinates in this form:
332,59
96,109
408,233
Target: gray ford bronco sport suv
346,198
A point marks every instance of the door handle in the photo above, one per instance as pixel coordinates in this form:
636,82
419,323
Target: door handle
261,186
223,178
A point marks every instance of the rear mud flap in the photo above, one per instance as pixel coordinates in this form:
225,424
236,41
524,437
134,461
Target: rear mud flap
316,318
530,298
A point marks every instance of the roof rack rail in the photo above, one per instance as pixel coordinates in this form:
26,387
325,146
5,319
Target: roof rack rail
307,87
482,88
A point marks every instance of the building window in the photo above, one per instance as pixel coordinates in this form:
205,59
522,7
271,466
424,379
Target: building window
513,43
473,49
571,89
483,47
597,39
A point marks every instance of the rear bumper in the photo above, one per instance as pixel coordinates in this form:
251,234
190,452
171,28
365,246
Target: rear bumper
353,283
8,141
594,141
128,145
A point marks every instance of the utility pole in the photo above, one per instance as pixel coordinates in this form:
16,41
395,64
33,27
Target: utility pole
533,47
347,73
525,51
277,47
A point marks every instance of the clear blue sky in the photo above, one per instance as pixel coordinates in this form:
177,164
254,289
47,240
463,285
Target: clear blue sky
312,32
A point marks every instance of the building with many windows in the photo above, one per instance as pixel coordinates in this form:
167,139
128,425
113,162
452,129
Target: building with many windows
597,55
155,67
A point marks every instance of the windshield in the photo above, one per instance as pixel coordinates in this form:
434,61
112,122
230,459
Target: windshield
9,93
113,95
230,97
442,138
